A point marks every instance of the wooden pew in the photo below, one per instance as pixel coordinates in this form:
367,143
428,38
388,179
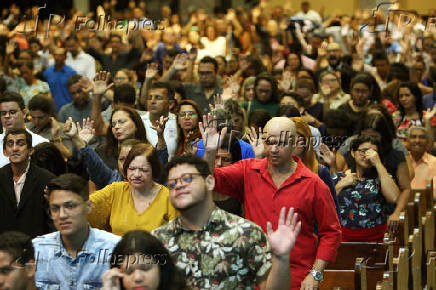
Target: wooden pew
346,272
415,262
431,271
398,278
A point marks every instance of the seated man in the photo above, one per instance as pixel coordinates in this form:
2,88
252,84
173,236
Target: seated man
80,107
76,255
22,204
217,249
17,264
423,162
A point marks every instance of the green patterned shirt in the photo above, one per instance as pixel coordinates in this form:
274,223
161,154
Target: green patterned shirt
229,253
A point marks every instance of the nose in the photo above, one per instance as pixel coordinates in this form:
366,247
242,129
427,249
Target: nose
62,213
138,277
218,162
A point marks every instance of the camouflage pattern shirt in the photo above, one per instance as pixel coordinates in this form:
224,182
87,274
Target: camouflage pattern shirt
228,253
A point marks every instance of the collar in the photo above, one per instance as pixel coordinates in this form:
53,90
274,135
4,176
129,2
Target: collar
427,158
216,218
87,247
301,171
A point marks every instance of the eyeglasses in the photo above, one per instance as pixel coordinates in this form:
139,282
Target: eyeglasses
187,114
11,113
186,178
69,207
360,91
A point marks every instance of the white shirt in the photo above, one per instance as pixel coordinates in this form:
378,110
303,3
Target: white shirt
18,186
212,48
83,64
170,133
311,15
36,139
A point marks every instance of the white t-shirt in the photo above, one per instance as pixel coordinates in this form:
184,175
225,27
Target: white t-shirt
170,133
36,139
212,48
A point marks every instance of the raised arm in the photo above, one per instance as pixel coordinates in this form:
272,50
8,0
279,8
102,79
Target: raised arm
150,74
212,139
282,241
99,87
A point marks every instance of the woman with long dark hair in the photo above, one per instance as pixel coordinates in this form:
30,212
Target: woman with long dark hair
140,261
187,119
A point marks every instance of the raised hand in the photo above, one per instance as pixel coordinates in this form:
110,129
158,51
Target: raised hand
212,139
256,142
100,82
218,103
152,70
327,156
54,130
87,132
70,128
429,114
350,179
283,239
191,146
180,61
159,125
286,80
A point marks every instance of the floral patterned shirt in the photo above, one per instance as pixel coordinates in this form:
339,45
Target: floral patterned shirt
361,206
228,253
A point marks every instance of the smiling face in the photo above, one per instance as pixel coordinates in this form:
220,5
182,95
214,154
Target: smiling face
188,118
191,189
418,141
16,149
139,173
140,273
407,99
69,212
123,126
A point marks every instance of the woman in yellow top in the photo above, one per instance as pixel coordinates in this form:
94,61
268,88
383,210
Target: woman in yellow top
136,204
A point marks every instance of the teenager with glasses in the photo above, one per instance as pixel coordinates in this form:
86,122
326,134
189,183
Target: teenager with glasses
138,202
240,260
364,192
76,256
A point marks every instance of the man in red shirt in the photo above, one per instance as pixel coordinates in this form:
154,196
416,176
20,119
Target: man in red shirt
280,180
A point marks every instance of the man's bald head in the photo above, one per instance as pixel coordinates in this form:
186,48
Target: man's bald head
280,124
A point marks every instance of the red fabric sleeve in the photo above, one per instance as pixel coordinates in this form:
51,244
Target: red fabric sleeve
229,180
329,228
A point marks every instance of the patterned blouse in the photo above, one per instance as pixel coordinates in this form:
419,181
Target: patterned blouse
362,206
403,125
229,253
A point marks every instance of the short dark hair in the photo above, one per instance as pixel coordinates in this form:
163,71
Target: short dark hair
72,80
164,85
124,93
179,88
18,245
18,131
46,155
379,55
288,111
208,59
398,71
194,160
143,243
70,182
150,154
337,119
43,103
13,97
259,118
363,138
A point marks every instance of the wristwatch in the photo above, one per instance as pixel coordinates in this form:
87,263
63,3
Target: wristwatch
317,275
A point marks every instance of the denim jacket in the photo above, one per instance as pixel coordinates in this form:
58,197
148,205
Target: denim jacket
56,269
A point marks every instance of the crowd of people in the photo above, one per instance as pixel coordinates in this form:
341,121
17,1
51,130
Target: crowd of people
228,150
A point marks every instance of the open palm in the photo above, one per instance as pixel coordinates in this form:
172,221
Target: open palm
209,132
283,239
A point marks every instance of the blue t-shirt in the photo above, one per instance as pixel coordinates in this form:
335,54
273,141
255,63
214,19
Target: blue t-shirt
57,81
246,150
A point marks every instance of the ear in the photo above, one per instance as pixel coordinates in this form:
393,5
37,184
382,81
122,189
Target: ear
210,182
30,269
31,150
24,111
88,206
353,153
4,152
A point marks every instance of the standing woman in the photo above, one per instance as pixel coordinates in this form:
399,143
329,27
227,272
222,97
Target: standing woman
139,202
187,120
364,192
410,111
125,124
